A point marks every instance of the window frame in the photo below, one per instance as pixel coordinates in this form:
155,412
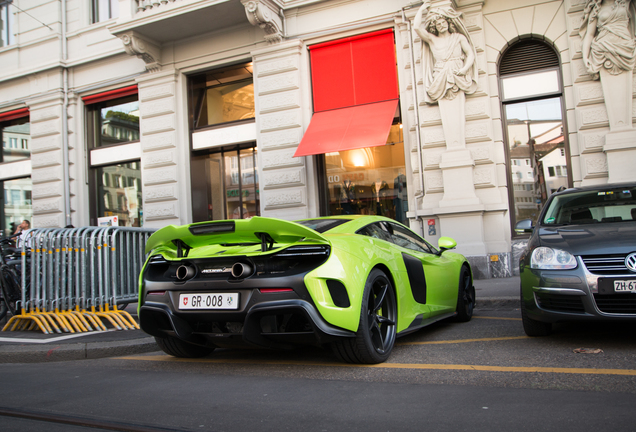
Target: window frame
95,11
111,154
503,102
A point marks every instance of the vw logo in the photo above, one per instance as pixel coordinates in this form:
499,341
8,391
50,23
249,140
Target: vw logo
630,262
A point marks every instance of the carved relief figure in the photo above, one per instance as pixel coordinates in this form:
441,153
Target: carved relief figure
448,55
607,31
609,53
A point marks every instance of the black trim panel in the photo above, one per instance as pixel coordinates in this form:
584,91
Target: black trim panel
417,279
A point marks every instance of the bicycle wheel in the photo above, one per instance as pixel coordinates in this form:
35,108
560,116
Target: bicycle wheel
11,292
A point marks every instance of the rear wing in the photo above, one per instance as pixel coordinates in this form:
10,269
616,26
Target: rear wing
266,231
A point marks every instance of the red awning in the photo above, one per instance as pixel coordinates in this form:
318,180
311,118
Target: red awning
110,95
12,115
348,128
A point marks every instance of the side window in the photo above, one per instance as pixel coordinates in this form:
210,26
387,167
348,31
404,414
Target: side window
408,240
376,230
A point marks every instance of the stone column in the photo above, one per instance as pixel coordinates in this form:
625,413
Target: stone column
165,151
47,173
283,111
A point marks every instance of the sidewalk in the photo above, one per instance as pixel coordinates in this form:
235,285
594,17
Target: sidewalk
36,347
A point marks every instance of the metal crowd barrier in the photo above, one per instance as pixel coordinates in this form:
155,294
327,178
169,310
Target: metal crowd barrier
74,278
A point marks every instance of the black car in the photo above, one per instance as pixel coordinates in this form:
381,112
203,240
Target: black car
580,263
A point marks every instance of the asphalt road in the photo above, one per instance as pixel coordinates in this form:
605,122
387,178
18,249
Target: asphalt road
484,375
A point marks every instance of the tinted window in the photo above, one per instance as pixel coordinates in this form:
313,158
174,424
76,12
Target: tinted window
322,225
407,239
376,230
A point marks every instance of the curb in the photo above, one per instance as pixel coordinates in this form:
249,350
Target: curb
76,351
497,303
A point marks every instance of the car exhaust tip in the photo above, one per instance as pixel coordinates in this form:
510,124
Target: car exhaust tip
185,272
240,270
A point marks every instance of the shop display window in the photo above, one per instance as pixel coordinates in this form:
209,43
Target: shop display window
114,121
119,200
15,201
369,181
16,136
225,184
113,144
16,204
222,96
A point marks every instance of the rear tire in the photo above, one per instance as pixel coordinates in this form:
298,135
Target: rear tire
376,333
465,297
178,348
533,328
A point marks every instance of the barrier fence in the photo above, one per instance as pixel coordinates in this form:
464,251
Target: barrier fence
75,279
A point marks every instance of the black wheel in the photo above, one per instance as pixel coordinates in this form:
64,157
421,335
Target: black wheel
533,328
3,308
11,291
465,297
178,348
375,337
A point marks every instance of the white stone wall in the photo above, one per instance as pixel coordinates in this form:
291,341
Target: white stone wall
165,151
282,101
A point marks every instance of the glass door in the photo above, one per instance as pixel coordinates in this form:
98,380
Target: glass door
225,184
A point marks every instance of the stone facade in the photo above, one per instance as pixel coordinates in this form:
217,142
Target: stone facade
463,194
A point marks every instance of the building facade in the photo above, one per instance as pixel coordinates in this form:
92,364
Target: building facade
143,112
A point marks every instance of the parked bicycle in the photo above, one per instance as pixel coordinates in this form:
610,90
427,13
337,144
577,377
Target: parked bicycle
10,276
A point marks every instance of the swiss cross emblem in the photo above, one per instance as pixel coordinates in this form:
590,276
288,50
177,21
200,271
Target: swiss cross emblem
185,301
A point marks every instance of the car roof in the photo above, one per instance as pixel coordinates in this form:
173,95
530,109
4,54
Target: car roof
599,187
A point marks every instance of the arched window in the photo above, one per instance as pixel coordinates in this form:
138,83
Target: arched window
531,92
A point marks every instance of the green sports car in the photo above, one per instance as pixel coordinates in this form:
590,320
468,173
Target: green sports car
352,282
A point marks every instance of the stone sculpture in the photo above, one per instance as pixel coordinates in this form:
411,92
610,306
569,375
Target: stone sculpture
448,55
609,53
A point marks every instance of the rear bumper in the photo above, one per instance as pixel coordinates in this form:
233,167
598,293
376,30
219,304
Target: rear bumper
272,324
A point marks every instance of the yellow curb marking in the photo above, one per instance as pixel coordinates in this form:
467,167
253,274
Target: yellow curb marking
463,341
533,369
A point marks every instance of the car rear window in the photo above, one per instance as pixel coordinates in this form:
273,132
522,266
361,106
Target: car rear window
605,205
322,225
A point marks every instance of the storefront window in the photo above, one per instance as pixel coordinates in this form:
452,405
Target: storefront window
16,136
115,121
222,96
114,151
230,188
369,181
118,197
16,204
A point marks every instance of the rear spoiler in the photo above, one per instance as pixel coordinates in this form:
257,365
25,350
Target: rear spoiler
266,231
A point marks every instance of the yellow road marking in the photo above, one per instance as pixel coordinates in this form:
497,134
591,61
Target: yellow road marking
497,318
415,366
463,340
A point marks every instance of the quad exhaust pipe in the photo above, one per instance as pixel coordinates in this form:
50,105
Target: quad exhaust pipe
241,270
185,272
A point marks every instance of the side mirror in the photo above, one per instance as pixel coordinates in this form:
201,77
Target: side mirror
446,243
524,226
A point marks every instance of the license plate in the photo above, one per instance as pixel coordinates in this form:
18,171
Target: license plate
625,285
208,301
